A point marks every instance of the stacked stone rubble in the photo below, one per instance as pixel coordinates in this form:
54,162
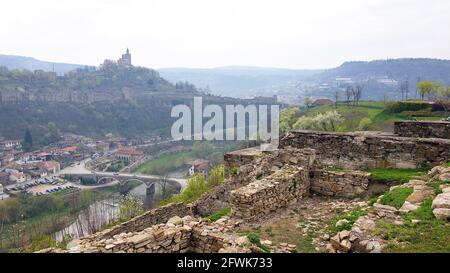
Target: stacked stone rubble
249,165
278,190
339,183
424,129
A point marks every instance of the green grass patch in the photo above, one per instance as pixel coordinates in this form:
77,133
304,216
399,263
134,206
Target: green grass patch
254,238
396,197
429,235
166,163
351,217
396,175
436,185
219,214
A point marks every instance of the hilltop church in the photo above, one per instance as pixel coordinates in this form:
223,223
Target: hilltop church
125,60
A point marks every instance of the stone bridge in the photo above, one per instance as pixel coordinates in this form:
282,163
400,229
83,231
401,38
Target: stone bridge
123,178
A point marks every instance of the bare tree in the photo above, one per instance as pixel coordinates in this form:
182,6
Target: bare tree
349,94
358,93
404,89
336,98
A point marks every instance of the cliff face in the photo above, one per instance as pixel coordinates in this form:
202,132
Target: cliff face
127,113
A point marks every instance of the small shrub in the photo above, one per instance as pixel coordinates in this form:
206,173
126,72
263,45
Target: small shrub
396,197
253,237
401,106
234,170
364,124
219,214
129,207
350,217
372,201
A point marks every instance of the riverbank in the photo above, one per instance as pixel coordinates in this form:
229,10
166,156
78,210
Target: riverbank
26,221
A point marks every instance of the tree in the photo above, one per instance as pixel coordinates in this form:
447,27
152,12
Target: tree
358,93
404,89
27,141
327,121
336,98
307,101
349,94
52,134
425,88
129,207
443,96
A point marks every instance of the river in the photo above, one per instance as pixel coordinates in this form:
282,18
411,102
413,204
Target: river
105,212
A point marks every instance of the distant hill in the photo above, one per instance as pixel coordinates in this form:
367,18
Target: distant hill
237,81
397,69
21,62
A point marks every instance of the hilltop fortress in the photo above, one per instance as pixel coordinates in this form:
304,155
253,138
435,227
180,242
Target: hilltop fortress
260,185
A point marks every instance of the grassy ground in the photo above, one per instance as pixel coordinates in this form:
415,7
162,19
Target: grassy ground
396,175
428,235
351,218
219,214
165,163
373,111
370,115
396,197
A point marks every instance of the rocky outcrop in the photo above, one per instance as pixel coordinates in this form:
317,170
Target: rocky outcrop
421,192
441,204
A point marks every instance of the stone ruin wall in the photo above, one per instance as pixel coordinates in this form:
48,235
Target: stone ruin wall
143,221
178,235
423,129
282,188
339,183
368,149
246,166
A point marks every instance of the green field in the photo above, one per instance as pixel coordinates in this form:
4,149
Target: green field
166,163
368,116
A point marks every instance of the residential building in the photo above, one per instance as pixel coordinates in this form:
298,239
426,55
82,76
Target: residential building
128,154
51,167
17,177
199,166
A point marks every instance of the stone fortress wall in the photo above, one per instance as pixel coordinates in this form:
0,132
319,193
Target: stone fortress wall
278,190
259,183
363,150
424,129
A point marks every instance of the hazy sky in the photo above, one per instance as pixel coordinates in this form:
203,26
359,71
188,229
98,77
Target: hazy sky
210,33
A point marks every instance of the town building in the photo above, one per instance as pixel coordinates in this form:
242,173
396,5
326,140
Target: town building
128,154
51,167
10,144
17,177
198,166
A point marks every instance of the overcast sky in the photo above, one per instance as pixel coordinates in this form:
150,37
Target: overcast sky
211,33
